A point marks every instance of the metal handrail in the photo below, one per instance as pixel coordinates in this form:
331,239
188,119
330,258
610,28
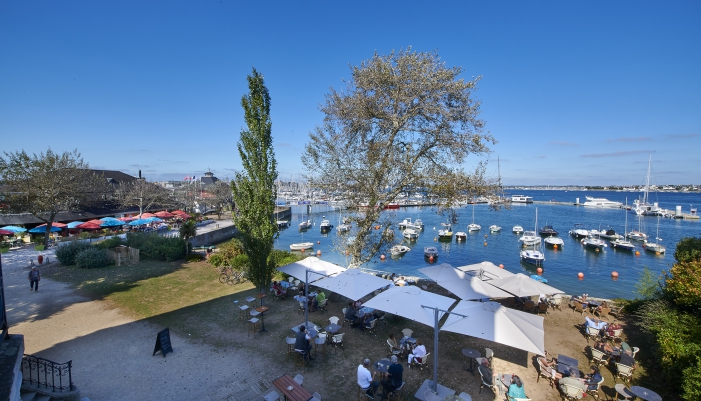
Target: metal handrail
47,374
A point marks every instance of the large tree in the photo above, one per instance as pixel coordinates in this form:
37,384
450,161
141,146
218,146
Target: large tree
221,195
254,188
49,183
404,122
144,195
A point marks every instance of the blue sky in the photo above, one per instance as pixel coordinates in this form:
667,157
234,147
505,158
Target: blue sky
575,92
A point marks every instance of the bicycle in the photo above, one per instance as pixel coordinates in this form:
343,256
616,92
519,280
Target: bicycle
230,276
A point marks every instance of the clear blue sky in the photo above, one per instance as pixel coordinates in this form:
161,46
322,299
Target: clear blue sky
575,92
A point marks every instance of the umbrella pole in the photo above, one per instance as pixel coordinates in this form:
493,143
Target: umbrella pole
434,385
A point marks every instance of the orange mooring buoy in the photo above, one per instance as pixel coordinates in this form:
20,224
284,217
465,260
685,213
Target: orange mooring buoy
318,253
614,274
501,266
580,275
539,270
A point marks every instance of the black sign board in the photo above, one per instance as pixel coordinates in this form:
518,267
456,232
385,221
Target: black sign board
163,343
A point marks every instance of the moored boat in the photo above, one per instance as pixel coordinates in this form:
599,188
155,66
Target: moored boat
461,235
529,238
431,253
399,250
301,246
305,225
517,230
548,231
593,242
554,241
410,234
494,228
521,199
602,203
446,232
325,226
579,231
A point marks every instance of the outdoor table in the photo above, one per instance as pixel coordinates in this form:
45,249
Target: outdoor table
567,360
291,390
622,390
333,328
410,340
506,380
472,354
567,370
262,310
261,296
366,310
285,284
382,365
645,394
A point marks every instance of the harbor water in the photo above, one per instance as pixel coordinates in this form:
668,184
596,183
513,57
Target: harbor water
561,266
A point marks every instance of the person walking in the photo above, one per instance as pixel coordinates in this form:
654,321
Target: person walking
34,277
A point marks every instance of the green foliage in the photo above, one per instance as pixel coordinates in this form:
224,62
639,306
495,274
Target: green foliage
226,253
254,190
688,249
648,286
39,247
111,243
194,257
66,254
692,378
155,247
684,284
92,258
84,235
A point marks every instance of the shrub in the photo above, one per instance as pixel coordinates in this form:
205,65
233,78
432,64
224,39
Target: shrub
38,247
92,258
688,250
66,254
155,247
111,243
84,235
194,257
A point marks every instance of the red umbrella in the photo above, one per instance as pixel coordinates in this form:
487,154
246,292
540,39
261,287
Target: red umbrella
147,215
90,225
178,212
164,215
127,219
6,232
55,224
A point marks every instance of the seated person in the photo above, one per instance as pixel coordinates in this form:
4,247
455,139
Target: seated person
592,379
394,344
300,298
486,372
543,299
367,321
418,352
611,327
365,378
604,347
400,281
320,297
594,323
550,367
627,360
393,377
303,342
571,381
602,306
357,304
280,292
301,287
516,388
350,314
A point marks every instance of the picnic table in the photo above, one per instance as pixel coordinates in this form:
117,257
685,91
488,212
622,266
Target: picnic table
291,390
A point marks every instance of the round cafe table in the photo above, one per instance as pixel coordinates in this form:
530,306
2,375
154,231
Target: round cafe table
472,354
645,394
623,391
382,365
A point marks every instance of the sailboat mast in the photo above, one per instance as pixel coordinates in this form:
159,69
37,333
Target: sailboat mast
647,181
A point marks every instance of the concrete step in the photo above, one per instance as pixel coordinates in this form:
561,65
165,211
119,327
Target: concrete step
29,396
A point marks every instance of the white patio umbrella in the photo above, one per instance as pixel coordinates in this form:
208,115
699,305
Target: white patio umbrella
420,306
493,322
485,271
523,286
322,269
352,283
461,284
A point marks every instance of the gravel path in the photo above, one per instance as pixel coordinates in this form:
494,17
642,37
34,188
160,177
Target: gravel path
112,353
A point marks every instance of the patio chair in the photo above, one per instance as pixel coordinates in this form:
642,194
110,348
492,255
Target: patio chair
320,342
634,351
301,359
591,332
393,351
299,379
243,311
546,372
625,372
556,301
333,319
600,358
465,396
363,393
344,310
542,308
371,328
489,383
250,300
272,396
595,391
529,306
322,305
397,394
424,362
407,333
488,355
252,326
604,313
616,310
337,340
578,307
616,334
290,345
316,397
570,392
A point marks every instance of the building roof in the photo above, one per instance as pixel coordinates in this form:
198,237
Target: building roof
209,178
116,177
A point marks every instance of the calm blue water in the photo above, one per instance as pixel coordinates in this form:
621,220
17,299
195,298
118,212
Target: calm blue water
560,267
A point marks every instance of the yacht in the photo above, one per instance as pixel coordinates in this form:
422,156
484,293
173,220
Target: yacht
554,241
517,230
609,234
579,231
399,250
325,226
601,202
548,231
532,256
461,236
418,224
636,235
494,228
529,238
305,225
643,207
593,242
410,234
521,199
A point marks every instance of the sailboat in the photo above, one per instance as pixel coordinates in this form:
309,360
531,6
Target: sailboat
473,226
307,223
622,242
656,247
643,206
533,256
638,235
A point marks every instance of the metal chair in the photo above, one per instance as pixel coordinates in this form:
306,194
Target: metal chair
337,341
252,326
485,383
320,342
591,332
625,372
301,359
570,392
251,300
272,396
489,354
595,391
290,345
299,379
546,372
242,311
333,319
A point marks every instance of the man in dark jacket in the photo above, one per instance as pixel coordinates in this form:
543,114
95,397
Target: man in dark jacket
34,277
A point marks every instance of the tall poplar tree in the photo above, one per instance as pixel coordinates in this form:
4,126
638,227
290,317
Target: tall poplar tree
253,189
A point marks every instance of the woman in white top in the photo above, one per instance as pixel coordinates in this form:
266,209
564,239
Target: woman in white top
418,352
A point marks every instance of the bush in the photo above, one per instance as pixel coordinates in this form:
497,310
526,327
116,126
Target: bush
38,247
66,253
194,257
155,247
111,243
92,258
84,235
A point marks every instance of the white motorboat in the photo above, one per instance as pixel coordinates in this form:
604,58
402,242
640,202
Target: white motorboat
643,207
656,247
529,238
517,230
282,223
431,253
608,234
636,235
533,257
305,225
325,226
344,228
407,223
446,232
399,250
554,241
404,223
301,246
461,236
521,199
579,231
602,203
494,228
410,234
419,224
594,242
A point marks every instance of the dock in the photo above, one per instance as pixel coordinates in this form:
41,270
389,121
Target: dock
667,212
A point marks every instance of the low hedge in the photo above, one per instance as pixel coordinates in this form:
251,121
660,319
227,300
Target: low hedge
92,258
66,253
155,247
